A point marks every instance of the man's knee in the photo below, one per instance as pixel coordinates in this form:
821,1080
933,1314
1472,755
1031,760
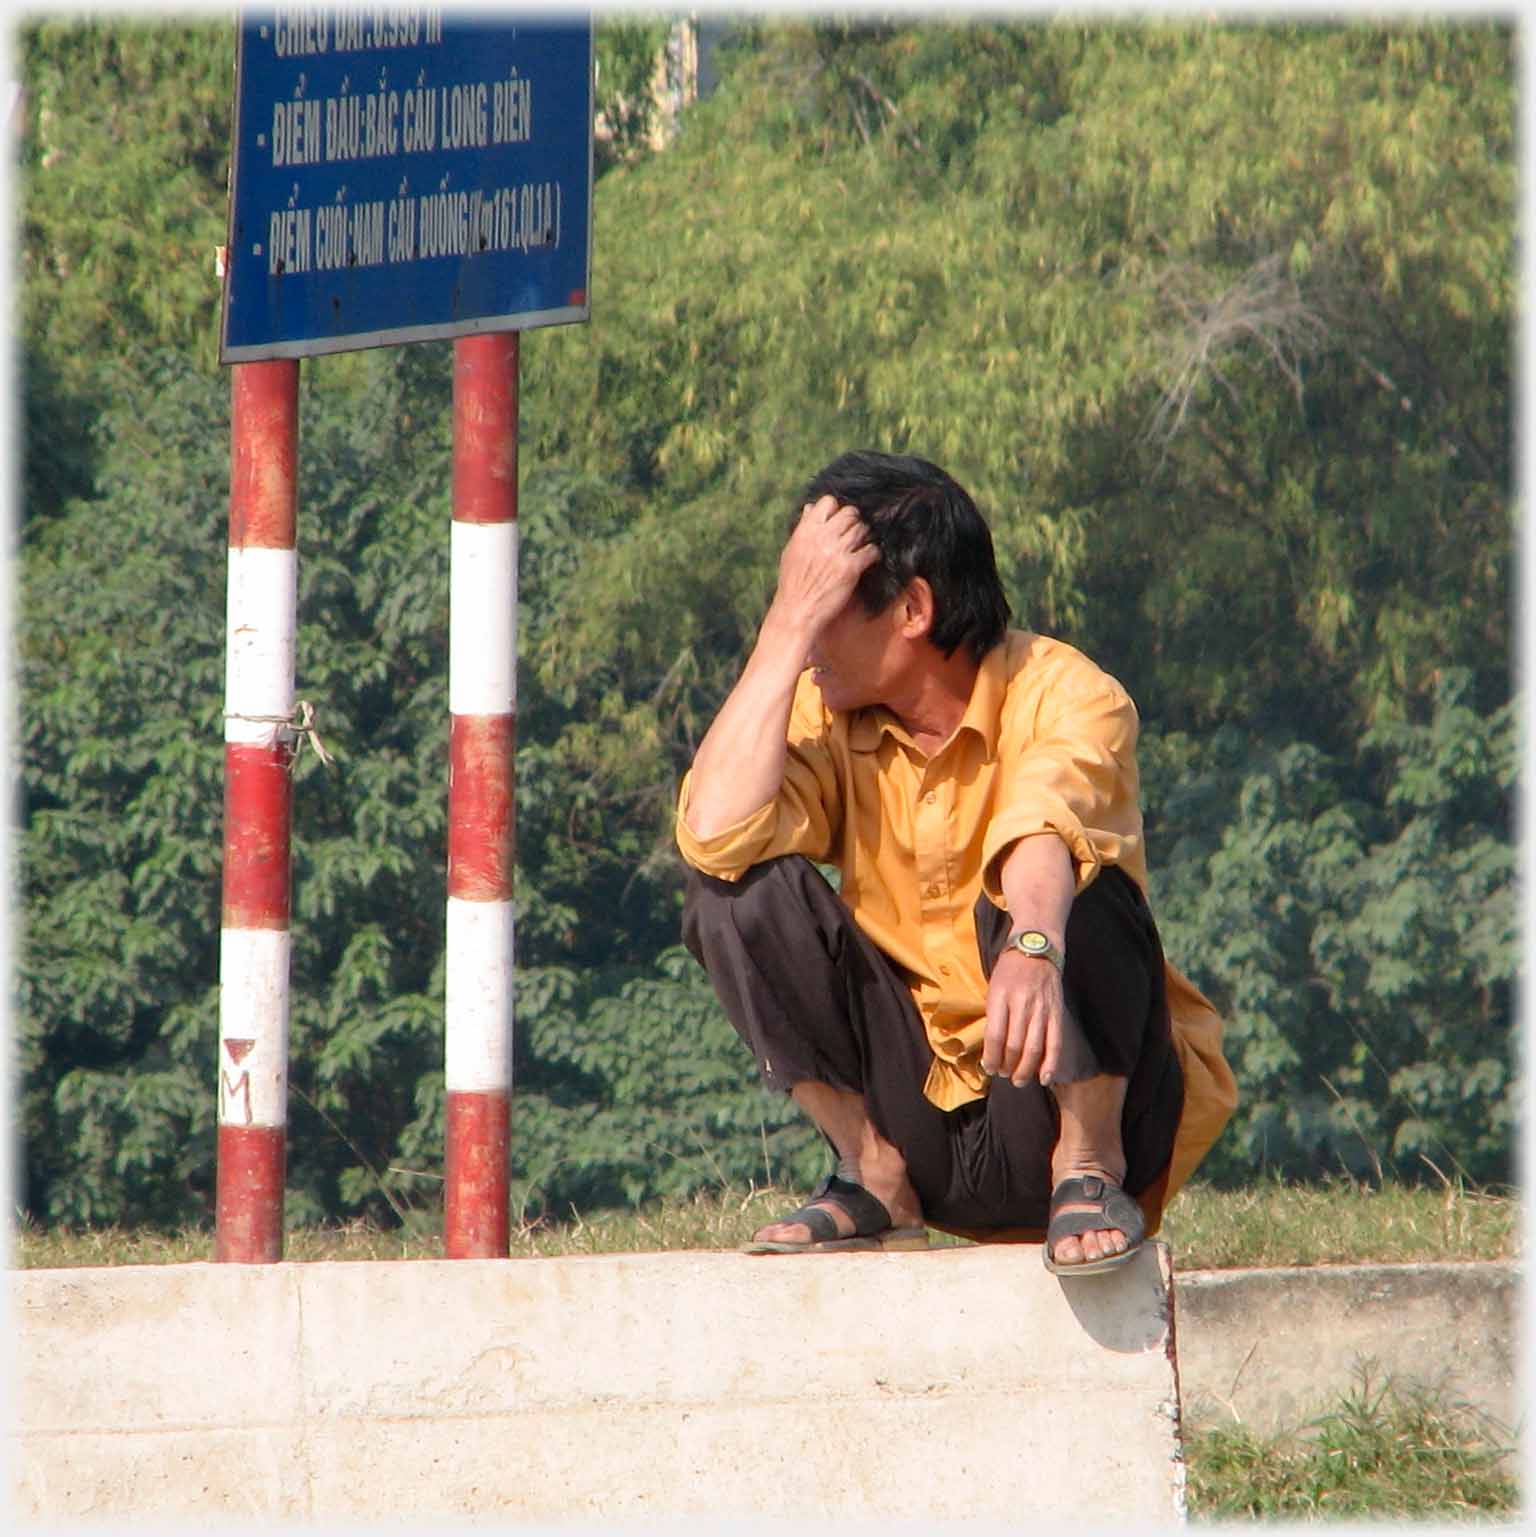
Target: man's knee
753,907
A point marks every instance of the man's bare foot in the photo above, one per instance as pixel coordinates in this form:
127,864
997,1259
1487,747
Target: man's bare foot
844,1119
1089,1144
1086,1248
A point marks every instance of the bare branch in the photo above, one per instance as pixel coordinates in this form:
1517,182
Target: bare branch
1263,309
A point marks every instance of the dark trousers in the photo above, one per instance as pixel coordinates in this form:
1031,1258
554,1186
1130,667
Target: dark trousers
815,1000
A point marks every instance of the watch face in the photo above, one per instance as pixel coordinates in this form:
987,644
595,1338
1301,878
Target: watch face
1033,943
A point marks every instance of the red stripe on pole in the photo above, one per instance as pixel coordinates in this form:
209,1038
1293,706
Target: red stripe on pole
249,1204
475,1221
258,802
264,457
481,824
485,428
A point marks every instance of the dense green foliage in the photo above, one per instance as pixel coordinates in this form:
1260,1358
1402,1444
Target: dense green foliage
1213,319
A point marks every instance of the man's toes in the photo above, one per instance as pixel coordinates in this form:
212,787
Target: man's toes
1068,1251
1103,1244
1096,1245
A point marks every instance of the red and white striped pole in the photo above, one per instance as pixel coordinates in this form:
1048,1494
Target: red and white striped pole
258,749
482,702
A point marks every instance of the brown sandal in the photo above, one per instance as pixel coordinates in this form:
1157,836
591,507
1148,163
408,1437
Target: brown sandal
872,1227
1115,1210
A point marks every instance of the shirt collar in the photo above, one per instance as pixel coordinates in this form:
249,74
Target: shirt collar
983,711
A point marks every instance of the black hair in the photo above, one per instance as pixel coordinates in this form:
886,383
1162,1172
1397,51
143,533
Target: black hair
924,524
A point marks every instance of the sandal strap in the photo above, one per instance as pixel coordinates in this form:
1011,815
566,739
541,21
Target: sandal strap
867,1211
1115,1210
822,1224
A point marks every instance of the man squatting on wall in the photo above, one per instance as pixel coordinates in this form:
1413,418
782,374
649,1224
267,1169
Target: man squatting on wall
980,1019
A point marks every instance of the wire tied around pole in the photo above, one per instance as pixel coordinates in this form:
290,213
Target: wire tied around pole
293,730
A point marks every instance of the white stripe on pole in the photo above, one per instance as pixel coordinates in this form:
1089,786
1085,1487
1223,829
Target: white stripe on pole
478,1005
259,654
253,1027
482,619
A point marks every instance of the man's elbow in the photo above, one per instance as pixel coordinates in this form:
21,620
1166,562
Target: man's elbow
703,816
689,819
701,829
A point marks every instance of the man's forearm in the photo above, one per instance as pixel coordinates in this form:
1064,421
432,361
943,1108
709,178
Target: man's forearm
1039,883
1023,1038
740,763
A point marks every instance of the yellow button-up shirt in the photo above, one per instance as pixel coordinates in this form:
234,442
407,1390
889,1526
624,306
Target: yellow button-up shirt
1046,745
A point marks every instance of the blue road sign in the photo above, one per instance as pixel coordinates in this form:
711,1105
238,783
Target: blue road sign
402,176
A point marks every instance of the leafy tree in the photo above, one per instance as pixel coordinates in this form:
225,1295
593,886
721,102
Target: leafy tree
124,195
1213,318
1362,953
120,658
125,186
627,49
1332,398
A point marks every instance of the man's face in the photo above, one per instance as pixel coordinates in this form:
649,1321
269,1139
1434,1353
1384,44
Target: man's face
858,658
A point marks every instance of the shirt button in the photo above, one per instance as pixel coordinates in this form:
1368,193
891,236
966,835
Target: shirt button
930,797
943,971
931,892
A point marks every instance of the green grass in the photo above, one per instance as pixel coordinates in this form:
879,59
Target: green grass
1266,1224
1384,1451
1339,1222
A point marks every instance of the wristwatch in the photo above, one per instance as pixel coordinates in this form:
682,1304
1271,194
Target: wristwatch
1033,942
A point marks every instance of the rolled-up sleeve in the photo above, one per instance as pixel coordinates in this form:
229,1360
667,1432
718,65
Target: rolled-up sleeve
802,818
1068,766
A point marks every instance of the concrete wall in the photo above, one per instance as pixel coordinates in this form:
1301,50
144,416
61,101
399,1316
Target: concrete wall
1270,1348
961,1383
622,1387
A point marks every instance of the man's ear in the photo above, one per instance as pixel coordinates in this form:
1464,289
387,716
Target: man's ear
917,608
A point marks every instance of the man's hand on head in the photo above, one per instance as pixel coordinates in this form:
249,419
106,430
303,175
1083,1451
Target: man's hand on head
821,565
740,763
